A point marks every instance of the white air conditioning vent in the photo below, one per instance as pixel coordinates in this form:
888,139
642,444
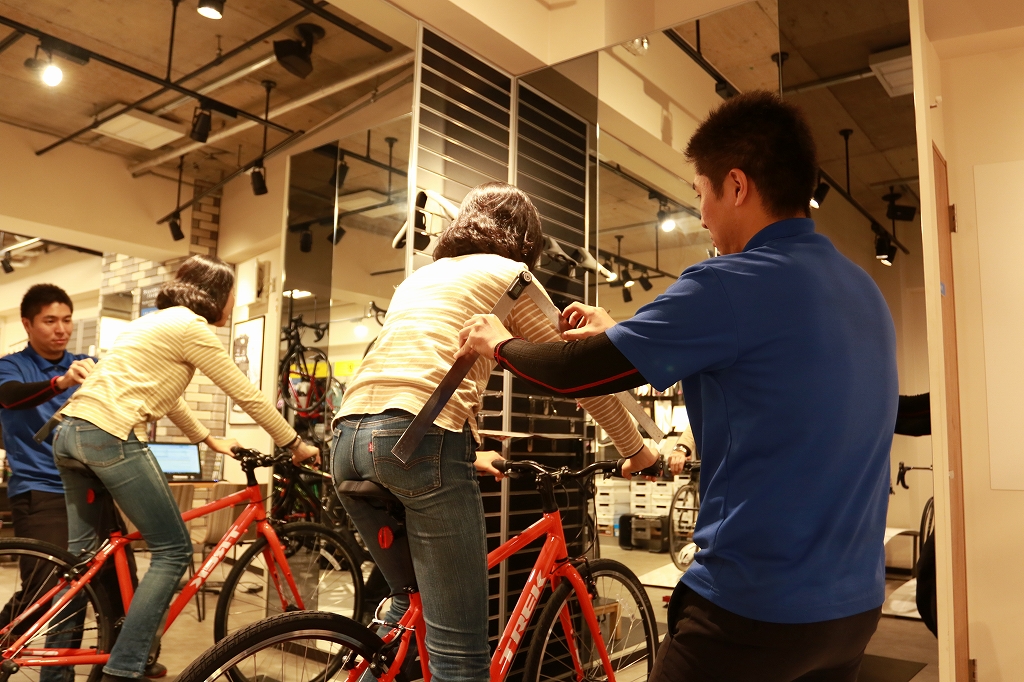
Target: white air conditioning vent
894,70
140,129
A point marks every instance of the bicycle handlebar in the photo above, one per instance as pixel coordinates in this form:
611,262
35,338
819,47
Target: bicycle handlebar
609,468
256,458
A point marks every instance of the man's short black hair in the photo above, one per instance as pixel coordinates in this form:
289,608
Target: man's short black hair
39,296
767,139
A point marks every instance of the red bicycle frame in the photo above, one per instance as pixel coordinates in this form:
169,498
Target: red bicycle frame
552,565
253,512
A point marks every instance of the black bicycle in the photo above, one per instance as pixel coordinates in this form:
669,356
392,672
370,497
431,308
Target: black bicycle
305,372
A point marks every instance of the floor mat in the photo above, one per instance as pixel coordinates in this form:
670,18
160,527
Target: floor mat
883,669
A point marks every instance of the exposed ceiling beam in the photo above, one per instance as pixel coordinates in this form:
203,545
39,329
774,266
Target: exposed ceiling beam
10,39
829,82
230,77
317,9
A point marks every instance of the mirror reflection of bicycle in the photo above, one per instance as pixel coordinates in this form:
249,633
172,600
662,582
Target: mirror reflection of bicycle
305,372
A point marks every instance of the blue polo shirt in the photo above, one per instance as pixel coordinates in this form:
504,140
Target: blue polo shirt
787,354
31,463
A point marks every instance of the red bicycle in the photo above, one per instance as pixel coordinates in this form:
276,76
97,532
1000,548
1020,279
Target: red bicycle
595,623
58,615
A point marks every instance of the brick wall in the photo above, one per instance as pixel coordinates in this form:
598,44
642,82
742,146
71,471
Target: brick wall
123,273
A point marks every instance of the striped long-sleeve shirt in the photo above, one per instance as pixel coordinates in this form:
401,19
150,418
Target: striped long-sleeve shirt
420,336
144,376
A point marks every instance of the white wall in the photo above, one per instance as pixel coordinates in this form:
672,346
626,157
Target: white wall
77,195
976,122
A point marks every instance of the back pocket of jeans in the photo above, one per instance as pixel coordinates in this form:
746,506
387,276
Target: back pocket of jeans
96,447
420,474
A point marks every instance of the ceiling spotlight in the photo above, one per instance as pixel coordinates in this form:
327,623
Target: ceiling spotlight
665,221
898,212
294,55
201,122
6,263
338,177
258,176
335,235
645,281
627,296
882,244
211,9
626,277
175,225
306,241
819,194
52,75
890,255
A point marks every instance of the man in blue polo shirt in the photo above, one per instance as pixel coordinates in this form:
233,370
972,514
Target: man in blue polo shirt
786,353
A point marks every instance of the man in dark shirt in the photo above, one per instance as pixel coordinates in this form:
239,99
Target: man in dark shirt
786,353
34,384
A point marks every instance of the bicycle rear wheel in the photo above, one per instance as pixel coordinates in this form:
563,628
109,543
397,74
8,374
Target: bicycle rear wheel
682,519
626,619
305,375
326,571
307,646
83,624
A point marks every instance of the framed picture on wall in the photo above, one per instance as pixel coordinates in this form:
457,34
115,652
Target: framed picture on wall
247,352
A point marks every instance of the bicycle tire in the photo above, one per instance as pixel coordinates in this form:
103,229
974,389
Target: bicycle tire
238,657
12,552
548,657
682,519
311,549
306,362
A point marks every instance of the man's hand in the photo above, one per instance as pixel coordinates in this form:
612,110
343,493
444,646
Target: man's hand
641,460
307,454
481,335
580,321
485,463
221,445
76,374
677,460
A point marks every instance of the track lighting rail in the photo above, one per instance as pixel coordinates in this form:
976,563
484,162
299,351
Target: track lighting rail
138,73
875,226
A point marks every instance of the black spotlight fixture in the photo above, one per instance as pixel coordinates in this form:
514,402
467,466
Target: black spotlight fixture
896,212
820,192
175,224
627,295
890,255
335,235
626,277
340,172
211,9
258,176
6,263
294,55
202,120
645,281
306,241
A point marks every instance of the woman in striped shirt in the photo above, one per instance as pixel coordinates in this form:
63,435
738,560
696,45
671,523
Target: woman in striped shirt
495,236
142,379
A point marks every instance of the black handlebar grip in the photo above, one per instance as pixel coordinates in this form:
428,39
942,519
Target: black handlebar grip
656,470
501,465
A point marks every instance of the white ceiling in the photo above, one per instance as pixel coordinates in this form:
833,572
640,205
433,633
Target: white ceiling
954,18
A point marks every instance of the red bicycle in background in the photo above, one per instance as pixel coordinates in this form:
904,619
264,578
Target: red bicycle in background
60,616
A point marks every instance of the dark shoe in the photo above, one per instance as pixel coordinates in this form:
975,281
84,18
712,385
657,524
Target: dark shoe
155,670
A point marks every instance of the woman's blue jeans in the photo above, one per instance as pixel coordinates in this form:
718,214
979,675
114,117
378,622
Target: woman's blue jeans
132,476
444,521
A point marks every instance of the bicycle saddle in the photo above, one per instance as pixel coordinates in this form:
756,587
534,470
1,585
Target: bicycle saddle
367,490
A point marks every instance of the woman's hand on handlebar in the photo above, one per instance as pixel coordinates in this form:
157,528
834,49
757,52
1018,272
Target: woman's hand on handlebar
485,463
641,460
304,453
221,445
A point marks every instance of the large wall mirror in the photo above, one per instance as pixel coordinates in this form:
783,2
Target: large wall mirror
347,200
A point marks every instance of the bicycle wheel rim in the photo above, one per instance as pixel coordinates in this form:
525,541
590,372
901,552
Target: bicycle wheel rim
627,629
300,386
83,624
328,578
682,516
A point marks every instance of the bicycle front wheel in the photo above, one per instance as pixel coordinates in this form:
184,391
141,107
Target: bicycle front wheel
682,519
326,573
305,375
308,646
29,569
626,622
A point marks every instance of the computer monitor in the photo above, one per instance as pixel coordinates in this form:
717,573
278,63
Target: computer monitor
179,461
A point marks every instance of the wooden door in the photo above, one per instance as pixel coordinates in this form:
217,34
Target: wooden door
952,385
